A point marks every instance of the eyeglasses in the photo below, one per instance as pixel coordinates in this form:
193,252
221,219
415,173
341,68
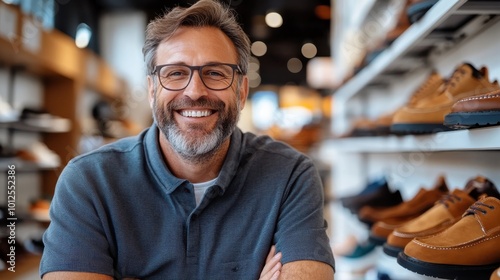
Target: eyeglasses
214,76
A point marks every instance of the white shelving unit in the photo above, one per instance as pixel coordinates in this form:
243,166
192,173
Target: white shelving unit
459,140
437,32
451,32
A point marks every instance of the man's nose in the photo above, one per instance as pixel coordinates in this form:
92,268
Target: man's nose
196,88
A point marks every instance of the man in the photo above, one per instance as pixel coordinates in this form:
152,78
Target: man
192,197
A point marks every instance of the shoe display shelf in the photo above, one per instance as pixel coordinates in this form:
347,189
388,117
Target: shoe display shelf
66,73
450,33
38,157
447,24
485,139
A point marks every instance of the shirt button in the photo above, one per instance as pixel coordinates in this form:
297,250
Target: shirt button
235,269
186,190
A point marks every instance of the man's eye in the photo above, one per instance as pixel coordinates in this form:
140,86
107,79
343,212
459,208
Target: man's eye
213,73
175,73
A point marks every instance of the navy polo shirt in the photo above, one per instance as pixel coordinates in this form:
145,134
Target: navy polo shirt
119,211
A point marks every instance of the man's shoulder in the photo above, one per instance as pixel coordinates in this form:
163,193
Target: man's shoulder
268,144
126,145
263,143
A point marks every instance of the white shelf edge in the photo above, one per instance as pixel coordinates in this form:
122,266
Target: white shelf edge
458,140
416,32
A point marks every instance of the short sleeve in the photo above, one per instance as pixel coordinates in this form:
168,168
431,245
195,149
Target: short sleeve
75,239
301,229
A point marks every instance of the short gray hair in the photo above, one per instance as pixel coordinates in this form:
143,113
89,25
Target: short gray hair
204,13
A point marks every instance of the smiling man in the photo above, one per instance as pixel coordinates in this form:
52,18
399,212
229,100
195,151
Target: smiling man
192,197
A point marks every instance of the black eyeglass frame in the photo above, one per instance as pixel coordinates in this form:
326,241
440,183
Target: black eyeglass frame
236,68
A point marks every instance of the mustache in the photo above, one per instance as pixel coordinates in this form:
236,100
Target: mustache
186,102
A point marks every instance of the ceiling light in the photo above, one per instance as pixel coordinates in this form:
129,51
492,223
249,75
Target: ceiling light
254,79
323,12
294,65
259,48
83,34
274,20
309,50
254,64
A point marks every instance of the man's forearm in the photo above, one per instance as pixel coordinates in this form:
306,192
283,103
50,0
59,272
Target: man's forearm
306,270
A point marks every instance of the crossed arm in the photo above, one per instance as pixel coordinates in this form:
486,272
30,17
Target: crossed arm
273,270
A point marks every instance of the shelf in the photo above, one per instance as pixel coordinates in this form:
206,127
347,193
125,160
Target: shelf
445,25
24,166
23,126
458,140
51,53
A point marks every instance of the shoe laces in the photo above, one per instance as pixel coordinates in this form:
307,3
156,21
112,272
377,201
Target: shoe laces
479,207
449,199
424,88
455,79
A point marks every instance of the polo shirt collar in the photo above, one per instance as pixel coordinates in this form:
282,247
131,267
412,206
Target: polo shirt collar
232,161
157,165
165,178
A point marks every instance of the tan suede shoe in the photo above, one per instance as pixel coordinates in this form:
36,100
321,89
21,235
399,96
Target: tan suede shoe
446,212
427,116
394,217
428,88
476,111
470,249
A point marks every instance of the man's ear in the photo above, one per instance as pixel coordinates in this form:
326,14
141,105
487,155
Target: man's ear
151,90
244,92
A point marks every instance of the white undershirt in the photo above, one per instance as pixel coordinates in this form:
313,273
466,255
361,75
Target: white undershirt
200,188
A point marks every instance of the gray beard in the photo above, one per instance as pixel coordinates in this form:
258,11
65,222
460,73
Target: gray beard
196,149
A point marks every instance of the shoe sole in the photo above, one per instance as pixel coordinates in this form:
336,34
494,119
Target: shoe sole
392,251
446,271
472,119
418,128
376,240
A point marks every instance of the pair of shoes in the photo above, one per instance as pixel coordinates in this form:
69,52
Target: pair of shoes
447,211
431,86
469,249
41,119
476,111
386,220
428,114
40,154
361,127
376,194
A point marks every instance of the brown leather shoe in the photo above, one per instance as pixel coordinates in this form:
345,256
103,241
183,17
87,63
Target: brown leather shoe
446,212
475,111
427,116
386,220
467,250
372,214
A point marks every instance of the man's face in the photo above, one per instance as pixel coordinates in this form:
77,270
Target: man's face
196,120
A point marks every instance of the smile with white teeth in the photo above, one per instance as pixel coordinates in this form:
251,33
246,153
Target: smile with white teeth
195,113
